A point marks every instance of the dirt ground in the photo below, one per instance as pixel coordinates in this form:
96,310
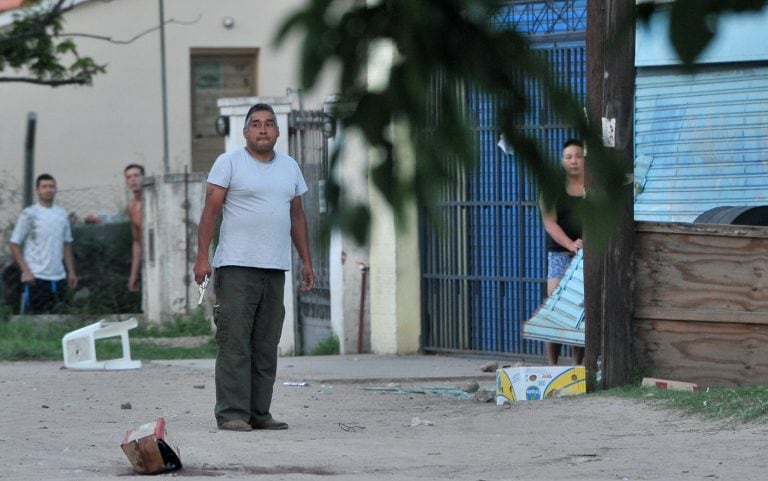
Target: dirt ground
59,424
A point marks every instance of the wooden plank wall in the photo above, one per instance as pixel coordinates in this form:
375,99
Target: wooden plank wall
701,304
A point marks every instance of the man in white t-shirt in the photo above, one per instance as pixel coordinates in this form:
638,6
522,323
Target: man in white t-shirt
259,191
44,231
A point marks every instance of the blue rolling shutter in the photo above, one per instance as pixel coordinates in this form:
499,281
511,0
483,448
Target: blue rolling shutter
702,139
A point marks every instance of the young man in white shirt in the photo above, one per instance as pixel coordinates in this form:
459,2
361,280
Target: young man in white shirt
44,232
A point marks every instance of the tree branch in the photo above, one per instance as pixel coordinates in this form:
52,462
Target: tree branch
56,10
33,43
135,37
51,83
44,20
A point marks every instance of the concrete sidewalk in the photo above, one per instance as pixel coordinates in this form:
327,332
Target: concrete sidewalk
368,367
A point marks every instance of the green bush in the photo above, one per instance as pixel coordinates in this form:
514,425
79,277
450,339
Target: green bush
26,339
326,347
6,311
103,261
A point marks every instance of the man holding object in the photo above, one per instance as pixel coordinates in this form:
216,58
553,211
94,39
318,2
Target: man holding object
259,191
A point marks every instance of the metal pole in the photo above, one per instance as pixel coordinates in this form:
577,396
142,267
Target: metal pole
361,315
187,277
166,165
29,158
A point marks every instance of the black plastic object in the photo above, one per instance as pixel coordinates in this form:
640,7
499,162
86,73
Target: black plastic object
741,215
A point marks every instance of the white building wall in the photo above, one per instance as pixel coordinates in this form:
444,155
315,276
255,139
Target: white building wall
395,273
349,261
395,282
87,134
172,206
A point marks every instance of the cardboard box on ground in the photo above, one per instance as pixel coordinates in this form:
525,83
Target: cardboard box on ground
148,450
538,382
668,384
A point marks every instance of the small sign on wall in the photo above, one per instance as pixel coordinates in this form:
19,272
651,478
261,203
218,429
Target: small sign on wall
609,132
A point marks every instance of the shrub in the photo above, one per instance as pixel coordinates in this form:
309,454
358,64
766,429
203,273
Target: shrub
327,346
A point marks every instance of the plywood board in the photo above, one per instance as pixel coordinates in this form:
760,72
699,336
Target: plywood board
700,272
708,354
701,309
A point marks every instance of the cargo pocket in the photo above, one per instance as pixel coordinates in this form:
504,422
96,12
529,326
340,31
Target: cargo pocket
219,320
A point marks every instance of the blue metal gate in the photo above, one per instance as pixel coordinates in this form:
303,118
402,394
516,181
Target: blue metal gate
486,273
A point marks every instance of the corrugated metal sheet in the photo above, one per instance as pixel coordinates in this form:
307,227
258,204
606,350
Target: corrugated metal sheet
561,317
703,141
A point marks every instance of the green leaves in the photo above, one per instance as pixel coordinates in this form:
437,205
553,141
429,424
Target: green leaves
692,27
442,49
32,47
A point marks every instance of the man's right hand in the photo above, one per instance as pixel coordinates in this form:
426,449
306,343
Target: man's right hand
132,284
27,277
202,268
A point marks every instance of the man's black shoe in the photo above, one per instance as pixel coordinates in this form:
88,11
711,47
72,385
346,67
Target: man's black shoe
270,423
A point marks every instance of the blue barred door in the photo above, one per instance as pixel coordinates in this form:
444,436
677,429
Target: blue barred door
487,273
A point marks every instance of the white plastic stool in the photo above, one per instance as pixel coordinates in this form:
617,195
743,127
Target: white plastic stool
79,346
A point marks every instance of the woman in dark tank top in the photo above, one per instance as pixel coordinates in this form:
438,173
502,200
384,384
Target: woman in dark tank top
564,230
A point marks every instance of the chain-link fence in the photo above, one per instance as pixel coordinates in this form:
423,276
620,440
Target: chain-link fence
10,205
101,247
100,204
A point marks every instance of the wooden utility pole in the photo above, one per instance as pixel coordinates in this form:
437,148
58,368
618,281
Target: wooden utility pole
608,273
